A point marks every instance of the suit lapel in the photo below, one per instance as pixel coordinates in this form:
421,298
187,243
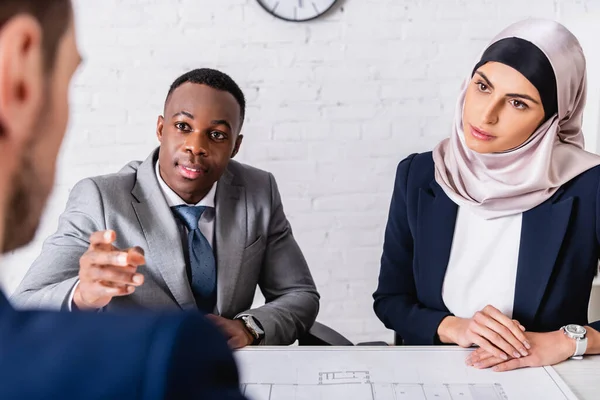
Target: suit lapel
231,231
161,233
436,218
542,233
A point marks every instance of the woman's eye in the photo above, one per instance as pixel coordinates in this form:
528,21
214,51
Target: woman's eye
519,104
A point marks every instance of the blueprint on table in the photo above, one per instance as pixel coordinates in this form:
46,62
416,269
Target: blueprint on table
385,373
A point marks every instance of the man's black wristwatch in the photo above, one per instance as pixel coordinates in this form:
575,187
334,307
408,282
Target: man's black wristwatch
254,327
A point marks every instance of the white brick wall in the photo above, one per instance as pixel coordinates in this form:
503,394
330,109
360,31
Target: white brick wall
334,104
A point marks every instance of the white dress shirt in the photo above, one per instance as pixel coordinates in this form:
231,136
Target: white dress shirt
206,223
483,261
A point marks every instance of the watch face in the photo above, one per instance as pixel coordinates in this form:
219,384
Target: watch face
254,325
257,328
575,329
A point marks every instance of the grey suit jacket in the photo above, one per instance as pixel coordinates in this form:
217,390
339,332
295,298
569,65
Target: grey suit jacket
254,246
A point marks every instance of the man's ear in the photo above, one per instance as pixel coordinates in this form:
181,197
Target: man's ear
21,78
238,143
159,127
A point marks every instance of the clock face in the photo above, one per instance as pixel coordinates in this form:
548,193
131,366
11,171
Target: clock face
297,10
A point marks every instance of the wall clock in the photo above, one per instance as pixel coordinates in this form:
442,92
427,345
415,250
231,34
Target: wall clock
297,10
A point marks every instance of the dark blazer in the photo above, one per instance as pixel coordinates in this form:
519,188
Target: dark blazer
51,355
557,262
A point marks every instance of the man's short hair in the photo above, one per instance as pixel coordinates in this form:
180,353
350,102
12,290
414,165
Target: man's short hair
52,15
214,79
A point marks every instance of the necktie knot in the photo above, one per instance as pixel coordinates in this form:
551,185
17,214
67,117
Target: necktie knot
189,215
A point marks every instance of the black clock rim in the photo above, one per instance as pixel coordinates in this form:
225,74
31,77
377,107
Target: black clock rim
297,20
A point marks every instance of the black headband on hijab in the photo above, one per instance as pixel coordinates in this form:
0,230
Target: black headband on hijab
531,62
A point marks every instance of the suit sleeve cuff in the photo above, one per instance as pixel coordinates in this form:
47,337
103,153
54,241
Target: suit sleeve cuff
434,323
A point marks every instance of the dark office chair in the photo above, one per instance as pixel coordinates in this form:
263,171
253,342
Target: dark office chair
398,341
322,335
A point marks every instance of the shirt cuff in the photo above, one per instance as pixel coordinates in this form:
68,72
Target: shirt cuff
70,304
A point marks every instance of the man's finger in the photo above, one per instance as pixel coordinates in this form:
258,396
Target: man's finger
515,329
235,342
124,291
136,255
116,275
510,365
109,284
103,237
117,258
103,247
102,241
108,289
93,272
228,327
215,319
138,249
222,324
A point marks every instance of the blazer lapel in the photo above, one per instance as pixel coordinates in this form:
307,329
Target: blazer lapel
542,233
161,233
231,232
436,218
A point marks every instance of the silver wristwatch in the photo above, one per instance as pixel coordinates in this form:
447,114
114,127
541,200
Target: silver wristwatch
577,333
254,327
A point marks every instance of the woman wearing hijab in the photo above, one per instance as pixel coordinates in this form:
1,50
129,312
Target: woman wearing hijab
493,238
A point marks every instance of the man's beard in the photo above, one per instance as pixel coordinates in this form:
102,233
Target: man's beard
29,190
25,206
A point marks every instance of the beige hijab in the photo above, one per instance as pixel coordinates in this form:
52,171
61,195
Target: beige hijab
512,182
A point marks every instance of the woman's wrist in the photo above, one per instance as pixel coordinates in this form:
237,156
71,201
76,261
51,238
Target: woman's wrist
447,329
563,344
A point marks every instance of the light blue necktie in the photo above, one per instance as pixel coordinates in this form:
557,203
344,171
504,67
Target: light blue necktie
202,260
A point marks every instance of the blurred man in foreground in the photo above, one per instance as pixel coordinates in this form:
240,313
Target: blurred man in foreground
84,355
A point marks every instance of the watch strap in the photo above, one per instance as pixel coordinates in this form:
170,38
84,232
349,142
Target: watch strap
580,348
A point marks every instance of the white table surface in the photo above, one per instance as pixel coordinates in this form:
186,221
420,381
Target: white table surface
582,376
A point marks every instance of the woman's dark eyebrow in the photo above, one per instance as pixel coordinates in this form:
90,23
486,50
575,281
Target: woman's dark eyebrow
523,96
